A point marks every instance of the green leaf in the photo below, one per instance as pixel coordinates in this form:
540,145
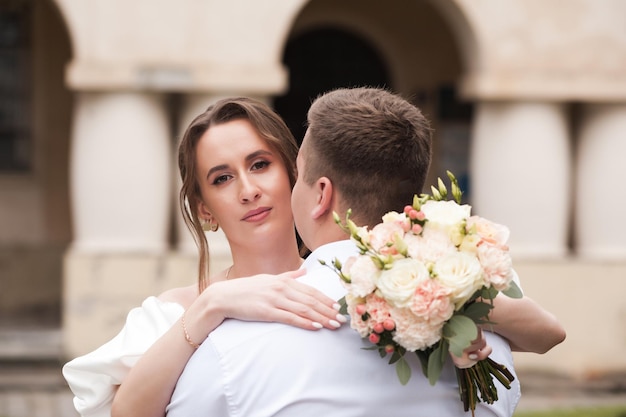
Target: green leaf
488,293
477,311
403,370
460,331
343,309
423,357
513,291
436,360
395,357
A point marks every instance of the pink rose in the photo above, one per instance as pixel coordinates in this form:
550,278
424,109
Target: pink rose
378,309
432,302
356,322
489,231
497,266
431,245
384,233
413,332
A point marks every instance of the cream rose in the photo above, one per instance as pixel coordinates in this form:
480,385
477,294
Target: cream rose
363,274
462,274
394,217
445,214
398,284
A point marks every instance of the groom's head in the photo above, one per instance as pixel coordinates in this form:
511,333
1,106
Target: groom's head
365,149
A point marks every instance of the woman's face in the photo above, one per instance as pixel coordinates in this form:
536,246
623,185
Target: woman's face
243,181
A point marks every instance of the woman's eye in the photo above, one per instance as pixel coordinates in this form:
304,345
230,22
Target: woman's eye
260,165
220,179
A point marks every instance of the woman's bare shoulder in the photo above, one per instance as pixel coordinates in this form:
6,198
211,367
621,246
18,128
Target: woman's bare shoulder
180,295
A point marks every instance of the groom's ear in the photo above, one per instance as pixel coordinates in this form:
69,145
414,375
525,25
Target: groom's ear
324,198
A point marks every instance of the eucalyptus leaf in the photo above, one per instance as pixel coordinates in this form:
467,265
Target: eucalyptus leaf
403,370
435,362
395,357
477,311
489,293
343,309
460,331
513,291
423,357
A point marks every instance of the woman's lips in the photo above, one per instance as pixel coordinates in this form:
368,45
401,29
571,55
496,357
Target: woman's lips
257,214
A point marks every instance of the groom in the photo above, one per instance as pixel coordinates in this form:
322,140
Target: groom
368,150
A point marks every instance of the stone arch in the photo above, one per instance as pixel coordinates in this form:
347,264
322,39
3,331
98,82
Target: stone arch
424,53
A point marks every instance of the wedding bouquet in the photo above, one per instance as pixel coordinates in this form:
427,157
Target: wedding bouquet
424,279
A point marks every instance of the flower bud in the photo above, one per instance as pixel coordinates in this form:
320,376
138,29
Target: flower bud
442,188
374,338
378,328
360,309
389,324
389,349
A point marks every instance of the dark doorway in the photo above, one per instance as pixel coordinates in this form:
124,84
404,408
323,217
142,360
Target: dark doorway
321,60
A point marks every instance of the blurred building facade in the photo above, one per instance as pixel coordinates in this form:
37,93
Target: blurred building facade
527,99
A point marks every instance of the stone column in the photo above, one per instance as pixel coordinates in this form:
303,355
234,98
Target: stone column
121,205
520,174
600,199
120,173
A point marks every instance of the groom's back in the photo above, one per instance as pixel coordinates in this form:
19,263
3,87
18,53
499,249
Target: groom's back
268,369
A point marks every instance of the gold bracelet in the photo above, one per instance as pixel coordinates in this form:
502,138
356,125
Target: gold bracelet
191,342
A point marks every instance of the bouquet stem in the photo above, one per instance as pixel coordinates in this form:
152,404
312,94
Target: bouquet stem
478,379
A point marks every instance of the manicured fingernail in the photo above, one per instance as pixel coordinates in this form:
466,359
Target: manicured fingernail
341,318
472,356
336,306
317,325
334,323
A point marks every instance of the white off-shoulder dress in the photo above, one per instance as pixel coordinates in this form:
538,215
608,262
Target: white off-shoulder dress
94,377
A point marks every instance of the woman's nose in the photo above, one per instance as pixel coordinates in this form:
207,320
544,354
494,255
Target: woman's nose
249,190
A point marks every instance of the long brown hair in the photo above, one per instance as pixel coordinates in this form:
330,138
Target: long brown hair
270,127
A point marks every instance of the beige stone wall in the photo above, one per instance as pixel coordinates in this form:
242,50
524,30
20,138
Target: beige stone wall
546,49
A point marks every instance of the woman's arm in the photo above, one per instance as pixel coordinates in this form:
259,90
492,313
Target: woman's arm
147,389
527,326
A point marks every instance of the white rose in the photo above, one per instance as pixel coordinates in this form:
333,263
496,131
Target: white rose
445,214
397,285
363,274
394,217
462,273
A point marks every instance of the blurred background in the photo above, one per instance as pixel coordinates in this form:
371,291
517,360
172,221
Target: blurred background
527,99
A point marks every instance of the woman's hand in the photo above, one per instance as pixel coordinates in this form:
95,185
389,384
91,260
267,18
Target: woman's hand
275,298
477,351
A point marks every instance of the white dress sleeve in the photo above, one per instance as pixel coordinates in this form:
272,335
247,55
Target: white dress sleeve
94,377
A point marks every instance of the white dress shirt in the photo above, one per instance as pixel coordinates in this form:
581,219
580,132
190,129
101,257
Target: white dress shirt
253,369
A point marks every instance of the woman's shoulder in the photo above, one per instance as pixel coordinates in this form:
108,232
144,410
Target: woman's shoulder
183,296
